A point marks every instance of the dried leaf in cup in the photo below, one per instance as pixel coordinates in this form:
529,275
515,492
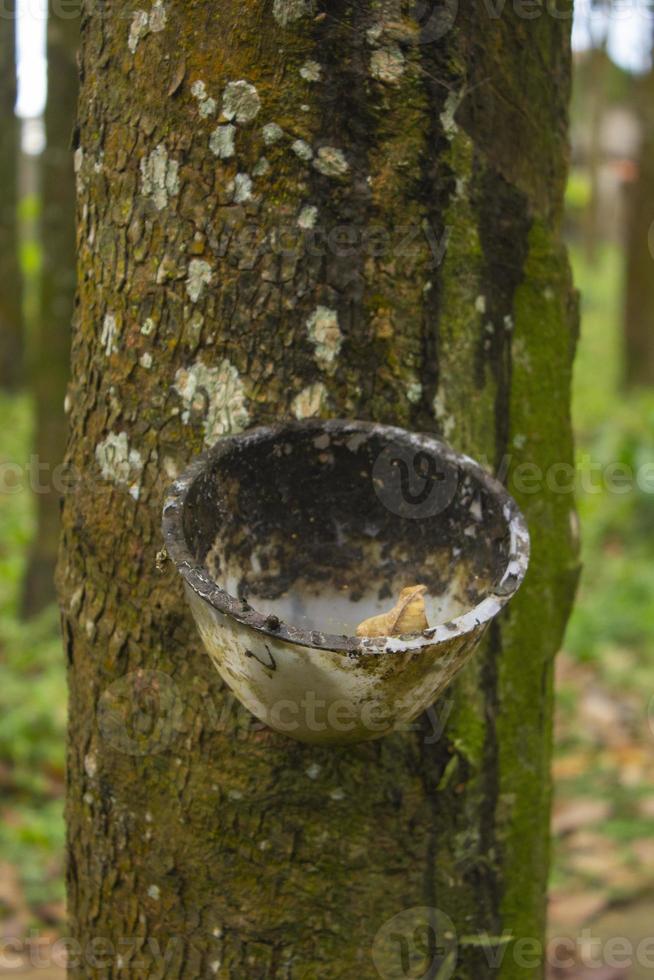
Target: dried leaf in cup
407,616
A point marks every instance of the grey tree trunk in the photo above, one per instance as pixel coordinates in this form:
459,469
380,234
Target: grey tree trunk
288,210
50,348
639,272
11,331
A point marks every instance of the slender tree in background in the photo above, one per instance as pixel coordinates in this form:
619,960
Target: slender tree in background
639,273
11,334
599,65
288,208
50,346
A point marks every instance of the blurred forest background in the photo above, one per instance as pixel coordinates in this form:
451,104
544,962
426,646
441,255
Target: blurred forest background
603,822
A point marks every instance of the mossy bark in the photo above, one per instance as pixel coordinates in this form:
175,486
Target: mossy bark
49,362
445,297
639,272
11,330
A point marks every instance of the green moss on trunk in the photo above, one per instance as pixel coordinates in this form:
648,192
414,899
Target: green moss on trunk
382,242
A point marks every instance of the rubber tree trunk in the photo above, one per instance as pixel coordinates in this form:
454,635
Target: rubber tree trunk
287,210
11,331
639,272
50,349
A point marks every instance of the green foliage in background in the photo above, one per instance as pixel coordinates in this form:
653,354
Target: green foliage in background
615,458
33,689
604,754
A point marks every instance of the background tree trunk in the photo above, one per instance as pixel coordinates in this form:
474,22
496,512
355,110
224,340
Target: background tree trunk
639,273
11,333
50,347
432,162
599,64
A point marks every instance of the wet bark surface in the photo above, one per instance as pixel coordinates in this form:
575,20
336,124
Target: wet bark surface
287,210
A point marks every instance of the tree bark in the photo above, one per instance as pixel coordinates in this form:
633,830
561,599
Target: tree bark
400,185
11,331
50,354
639,271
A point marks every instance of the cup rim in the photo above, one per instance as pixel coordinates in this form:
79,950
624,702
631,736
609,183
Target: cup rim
200,582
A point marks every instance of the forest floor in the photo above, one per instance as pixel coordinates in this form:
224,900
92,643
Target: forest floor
603,821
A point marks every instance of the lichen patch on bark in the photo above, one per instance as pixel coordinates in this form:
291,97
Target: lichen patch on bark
214,395
311,401
302,150
143,23
286,12
387,64
331,162
326,337
307,217
198,278
108,335
207,105
241,102
119,463
311,71
159,177
221,141
272,133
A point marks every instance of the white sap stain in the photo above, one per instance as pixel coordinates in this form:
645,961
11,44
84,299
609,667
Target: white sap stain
215,393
